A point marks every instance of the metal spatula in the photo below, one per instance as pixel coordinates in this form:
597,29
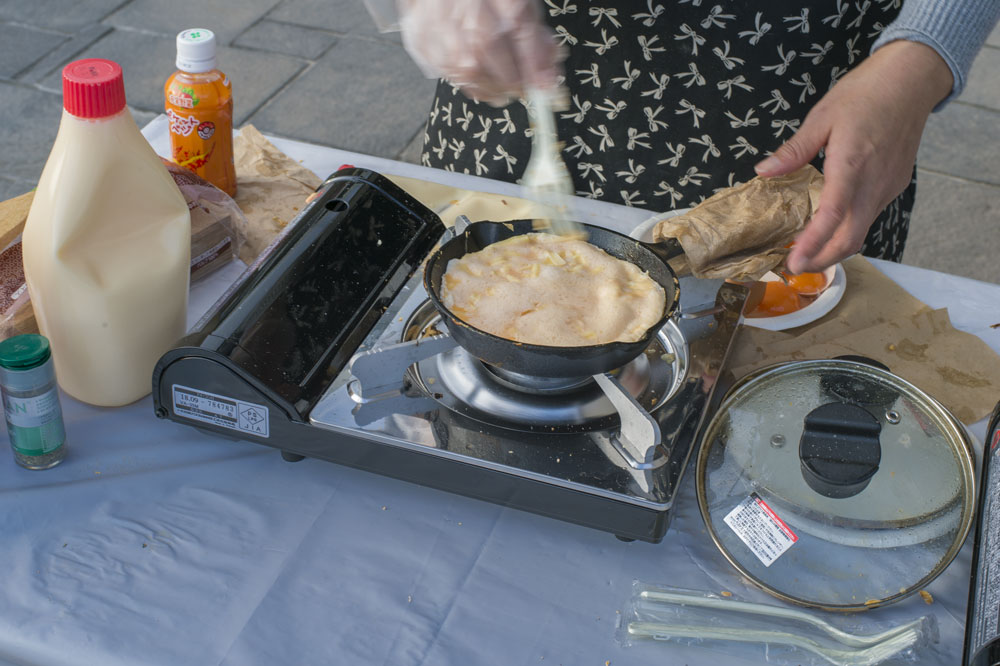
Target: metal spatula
546,180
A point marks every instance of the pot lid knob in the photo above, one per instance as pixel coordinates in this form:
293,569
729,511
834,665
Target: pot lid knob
839,451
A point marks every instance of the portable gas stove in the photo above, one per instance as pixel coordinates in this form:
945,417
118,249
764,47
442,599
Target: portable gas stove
327,347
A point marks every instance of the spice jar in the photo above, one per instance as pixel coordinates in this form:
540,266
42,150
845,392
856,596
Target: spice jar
31,402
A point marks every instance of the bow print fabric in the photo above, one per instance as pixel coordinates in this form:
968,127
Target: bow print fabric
690,94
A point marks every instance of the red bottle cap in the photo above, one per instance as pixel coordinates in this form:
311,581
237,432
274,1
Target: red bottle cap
93,88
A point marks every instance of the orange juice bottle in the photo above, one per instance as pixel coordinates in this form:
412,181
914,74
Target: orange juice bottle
199,104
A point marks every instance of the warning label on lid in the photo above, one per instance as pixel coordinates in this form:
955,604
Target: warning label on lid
759,527
221,411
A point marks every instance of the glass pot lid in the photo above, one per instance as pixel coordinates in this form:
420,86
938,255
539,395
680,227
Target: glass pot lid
835,484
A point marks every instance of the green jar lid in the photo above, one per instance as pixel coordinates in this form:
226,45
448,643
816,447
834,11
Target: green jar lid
23,352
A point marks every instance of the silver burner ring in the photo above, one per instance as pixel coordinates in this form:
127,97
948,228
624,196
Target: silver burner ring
536,385
466,385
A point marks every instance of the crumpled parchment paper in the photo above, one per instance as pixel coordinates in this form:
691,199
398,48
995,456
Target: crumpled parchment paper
271,189
877,318
740,233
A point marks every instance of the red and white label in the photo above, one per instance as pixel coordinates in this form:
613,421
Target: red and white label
996,439
758,526
182,125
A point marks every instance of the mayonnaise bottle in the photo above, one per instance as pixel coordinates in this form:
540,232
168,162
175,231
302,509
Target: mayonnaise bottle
106,246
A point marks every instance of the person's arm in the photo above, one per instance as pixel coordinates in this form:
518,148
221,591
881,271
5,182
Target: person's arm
956,29
871,121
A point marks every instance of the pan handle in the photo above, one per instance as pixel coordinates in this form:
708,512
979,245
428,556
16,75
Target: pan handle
667,249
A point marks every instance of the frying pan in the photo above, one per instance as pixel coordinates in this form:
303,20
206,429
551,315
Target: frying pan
546,360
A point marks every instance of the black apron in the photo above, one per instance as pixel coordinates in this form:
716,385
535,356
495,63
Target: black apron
674,99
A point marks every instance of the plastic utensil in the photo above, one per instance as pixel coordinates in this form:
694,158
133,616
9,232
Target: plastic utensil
793,614
546,179
867,656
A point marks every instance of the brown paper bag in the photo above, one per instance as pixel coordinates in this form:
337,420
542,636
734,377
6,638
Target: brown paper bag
877,318
271,189
740,233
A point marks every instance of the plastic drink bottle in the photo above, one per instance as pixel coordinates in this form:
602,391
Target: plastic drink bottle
199,104
106,245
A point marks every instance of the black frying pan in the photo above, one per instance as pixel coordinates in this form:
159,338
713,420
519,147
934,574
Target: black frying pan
544,360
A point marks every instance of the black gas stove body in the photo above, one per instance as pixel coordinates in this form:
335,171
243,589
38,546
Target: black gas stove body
327,348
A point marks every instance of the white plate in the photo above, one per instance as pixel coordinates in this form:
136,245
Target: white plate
644,231
835,277
837,281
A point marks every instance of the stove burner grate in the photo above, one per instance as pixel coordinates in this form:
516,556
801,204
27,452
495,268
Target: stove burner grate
510,400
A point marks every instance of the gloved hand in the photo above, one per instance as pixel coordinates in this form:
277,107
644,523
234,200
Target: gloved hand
492,49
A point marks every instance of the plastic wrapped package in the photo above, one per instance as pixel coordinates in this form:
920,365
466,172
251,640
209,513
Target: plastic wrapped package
783,635
218,226
16,316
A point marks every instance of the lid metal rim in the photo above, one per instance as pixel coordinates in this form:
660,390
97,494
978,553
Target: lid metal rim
966,458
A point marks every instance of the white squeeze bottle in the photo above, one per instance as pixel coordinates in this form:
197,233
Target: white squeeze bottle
107,245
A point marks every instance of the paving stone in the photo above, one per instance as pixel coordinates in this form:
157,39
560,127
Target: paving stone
142,118
340,16
413,150
30,122
286,38
962,141
10,188
148,61
226,19
63,15
953,227
23,46
363,95
77,42
983,86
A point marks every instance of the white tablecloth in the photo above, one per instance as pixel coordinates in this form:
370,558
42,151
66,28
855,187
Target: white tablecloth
156,544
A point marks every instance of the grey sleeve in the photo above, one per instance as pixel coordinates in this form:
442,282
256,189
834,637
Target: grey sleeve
956,29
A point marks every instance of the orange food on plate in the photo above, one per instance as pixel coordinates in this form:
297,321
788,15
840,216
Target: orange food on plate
779,299
807,284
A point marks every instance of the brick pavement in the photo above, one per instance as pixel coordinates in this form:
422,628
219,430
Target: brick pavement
319,71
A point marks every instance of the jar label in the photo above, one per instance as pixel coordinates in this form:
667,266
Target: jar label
35,424
32,412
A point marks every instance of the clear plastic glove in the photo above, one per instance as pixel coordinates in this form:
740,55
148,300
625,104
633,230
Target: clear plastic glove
492,49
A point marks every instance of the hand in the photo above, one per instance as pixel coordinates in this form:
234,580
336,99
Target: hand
870,125
492,49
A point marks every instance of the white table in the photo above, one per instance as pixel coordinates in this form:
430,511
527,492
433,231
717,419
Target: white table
156,544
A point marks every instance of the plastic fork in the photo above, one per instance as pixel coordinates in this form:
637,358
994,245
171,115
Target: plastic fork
867,656
792,614
546,180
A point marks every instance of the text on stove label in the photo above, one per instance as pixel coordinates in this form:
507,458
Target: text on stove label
221,410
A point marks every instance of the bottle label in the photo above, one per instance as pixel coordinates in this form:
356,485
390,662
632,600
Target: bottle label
35,424
201,130
185,98
181,125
